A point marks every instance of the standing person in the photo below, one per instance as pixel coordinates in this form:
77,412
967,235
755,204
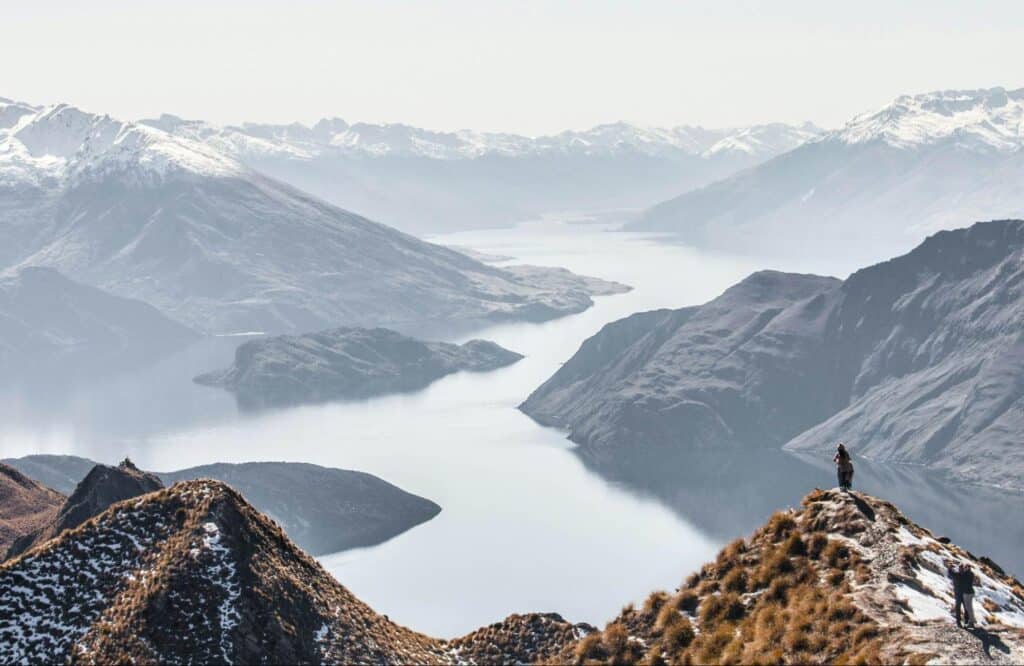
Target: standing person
967,590
844,467
953,571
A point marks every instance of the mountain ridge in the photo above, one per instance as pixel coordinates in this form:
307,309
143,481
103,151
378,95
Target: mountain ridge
911,360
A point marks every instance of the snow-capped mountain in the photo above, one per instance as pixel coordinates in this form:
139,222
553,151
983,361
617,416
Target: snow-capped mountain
979,120
422,180
172,221
873,188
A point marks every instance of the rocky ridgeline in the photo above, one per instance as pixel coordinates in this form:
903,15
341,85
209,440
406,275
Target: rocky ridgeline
844,578
102,487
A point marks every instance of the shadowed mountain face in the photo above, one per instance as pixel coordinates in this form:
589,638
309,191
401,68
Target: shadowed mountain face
26,506
101,487
324,510
346,363
912,360
221,248
50,324
871,189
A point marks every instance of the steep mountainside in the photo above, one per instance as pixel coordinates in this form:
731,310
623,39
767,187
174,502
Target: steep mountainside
874,188
213,244
323,509
420,180
197,558
50,324
844,579
912,360
26,506
102,487
346,363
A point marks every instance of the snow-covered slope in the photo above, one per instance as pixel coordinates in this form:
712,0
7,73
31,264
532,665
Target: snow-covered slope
873,188
423,180
172,221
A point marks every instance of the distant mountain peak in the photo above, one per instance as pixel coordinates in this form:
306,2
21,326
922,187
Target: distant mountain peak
983,119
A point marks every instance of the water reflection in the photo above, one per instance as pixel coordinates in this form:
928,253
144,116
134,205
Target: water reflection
729,493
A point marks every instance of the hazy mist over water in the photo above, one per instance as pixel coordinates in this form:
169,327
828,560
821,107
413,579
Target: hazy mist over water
526,522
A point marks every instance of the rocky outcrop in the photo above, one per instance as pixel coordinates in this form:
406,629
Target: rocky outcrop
913,360
102,487
26,506
844,578
346,363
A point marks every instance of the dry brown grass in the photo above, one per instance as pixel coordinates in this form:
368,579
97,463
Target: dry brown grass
762,601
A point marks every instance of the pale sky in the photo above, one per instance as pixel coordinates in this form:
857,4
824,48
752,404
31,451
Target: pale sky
527,67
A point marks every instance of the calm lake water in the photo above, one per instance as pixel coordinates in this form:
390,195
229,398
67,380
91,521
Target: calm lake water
528,524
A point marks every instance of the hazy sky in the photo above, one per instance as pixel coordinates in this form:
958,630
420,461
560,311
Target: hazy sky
530,67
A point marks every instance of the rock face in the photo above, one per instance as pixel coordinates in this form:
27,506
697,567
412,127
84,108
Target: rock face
323,510
869,190
707,376
221,248
912,360
51,323
346,363
102,487
846,578
419,180
26,506
196,557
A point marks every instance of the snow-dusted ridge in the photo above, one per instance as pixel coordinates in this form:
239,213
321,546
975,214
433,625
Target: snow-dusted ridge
54,144
983,119
379,140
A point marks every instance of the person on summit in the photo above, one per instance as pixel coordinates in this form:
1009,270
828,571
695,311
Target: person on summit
844,467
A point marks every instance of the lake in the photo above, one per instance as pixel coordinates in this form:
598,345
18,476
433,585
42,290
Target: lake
528,524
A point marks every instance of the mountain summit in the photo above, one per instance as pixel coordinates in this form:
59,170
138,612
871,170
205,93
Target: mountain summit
871,189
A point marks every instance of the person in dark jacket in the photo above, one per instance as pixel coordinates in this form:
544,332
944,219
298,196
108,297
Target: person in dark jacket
844,467
967,589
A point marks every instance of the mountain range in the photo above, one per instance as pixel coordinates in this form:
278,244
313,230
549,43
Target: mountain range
914,360
425,181
873,188
221,248
843,578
